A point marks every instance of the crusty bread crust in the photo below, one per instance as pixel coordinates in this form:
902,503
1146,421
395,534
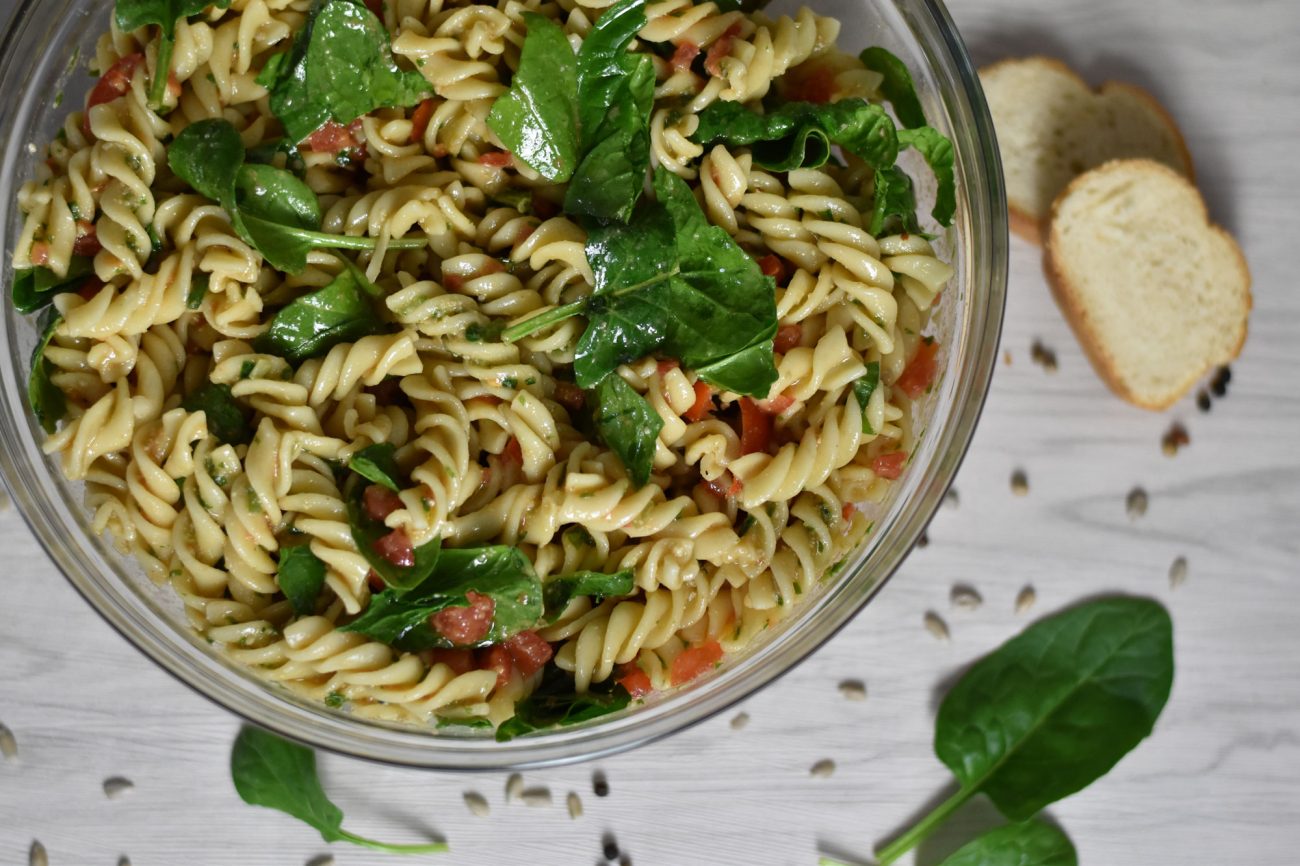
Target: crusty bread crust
1076,312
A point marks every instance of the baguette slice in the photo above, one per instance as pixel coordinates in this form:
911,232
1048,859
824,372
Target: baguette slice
1156,294
1052,127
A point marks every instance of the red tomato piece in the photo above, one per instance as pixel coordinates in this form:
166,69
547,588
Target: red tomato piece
334,137
90,287
461,661
636,682
666,365
720,49
569,395
776,405
755,427
695,661
496,159
815,83
684,56
920,371
847,512
889,465
377,7
513,453
113,84
496,658
87,242
787,337
465,625
772,266
40,254
703,404
420,120
716,488
736,487
396,547
530,652
375,582
453,282
544,207
379,502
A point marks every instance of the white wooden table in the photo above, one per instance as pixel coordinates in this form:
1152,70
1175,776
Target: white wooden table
1217,784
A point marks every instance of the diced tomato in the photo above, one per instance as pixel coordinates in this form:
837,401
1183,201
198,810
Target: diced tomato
420,120
847,512
636,682
377,7
334,137
716,487
396,547
113,84
492,267
695,661
813,83
920,371
666,365
569,395
772,266
530,651
453,282
513,452
544,207
755,427
685,55
379,502
90,287
736,487
40,254
787,337
87,242
496,159
465,625
889,465
776,405
461,661
496,658
375,582
720,49
703,404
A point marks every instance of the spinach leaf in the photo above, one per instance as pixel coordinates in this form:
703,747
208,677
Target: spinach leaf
365,532
800,134
35,287
276,195
938,153
863,387
227,420
340,67
895,206
557,592
207,155
48,403
474,723
134,14
897,86
536,119
670,281
1030,844
198,290
377,463
315,323
300,574
275,773
555,704
502,573
628,424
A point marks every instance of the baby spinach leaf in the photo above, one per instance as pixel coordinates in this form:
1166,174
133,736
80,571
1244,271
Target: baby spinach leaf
365,532
474,723
286,247
897,86
628,424
48,403
1030,844
377,463
134,14
863,387
800,134
300,574
895,205
198,291
315,323
35,287
276,195
555,704
340,67
207,155
938,153
227,420
537,118
557,592
275,773
603,65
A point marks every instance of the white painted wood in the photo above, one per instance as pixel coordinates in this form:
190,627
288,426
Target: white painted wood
1217,784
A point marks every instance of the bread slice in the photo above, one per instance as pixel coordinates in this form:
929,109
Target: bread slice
1156,294
1051,128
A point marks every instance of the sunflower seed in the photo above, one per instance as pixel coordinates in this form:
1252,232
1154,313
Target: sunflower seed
477,803
853,690
321,860
1020,483
536,797
37,856
822,769
514,787
574,802
935,625
1025,599
8,745
116,786
965,597
1136,504
1178,572
599,784
739,721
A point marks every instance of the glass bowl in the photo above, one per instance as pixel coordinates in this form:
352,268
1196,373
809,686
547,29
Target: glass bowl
42,67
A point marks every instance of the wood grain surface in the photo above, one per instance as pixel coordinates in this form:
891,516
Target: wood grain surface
1218,783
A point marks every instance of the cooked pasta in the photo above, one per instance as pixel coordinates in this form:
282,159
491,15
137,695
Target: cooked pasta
290,425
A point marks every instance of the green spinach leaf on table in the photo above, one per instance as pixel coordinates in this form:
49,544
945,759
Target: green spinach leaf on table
227,420
556,704
1032,843
36,287
48,403
628,424
300,574
557,592
133,14
897,86
340,312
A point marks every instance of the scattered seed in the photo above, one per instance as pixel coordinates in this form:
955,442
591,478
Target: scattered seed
536,797
126,861
1043,356
477,803
1203,400
1219,384
935,625
599,784
1006,357
1025,599
321,860
625,860
116,786
951,499
1175,439
924,540
574,802
609,847
8,744
822,769
739,721
37,856
514,787
853,690
1136,503
1020,483
965,597
1178,572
